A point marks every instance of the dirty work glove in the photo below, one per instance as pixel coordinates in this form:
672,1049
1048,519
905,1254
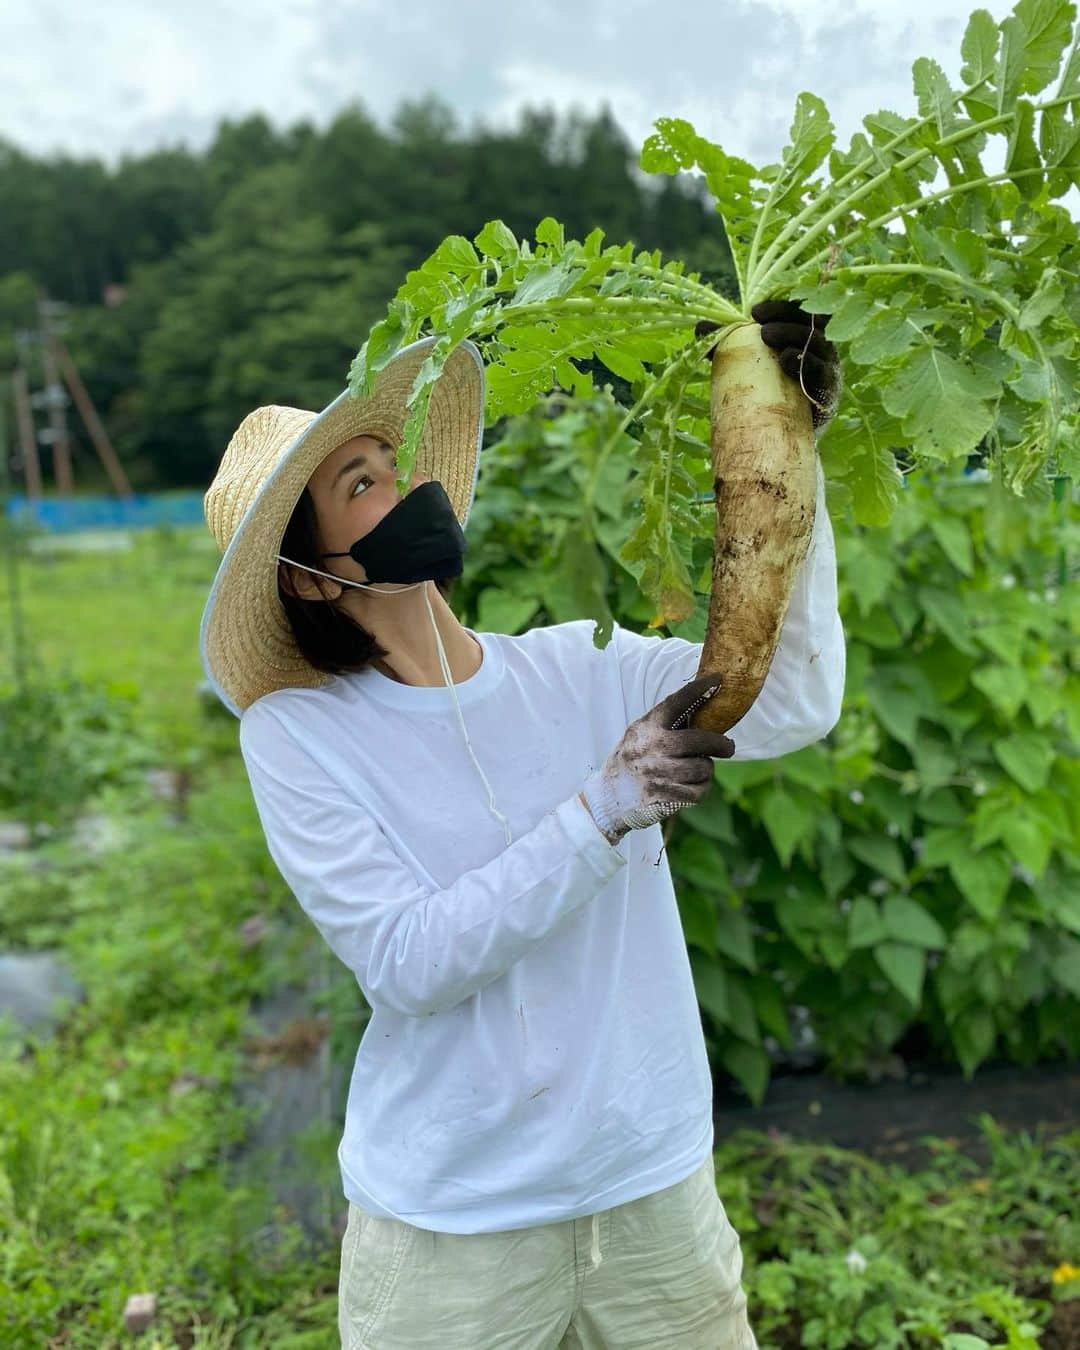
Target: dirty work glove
659,766
800,339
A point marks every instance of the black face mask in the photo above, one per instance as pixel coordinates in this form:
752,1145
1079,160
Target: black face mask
419,539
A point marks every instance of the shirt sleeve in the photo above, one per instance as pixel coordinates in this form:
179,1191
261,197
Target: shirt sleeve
413,949
800,701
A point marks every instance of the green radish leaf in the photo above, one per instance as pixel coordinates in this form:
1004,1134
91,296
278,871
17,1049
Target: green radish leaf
889,333
904,966
1046,300
496,240
979,48
1027,758
936,98
1047,29
811,139
1022,160
942,402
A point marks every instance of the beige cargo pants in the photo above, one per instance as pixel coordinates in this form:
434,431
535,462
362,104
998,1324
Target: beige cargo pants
660,1273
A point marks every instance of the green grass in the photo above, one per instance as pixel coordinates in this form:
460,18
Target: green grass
126,619
114,1182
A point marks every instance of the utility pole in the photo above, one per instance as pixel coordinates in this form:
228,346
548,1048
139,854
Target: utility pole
24,419
10,532
54,398
88,413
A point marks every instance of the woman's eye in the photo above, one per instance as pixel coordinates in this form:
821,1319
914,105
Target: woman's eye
365,479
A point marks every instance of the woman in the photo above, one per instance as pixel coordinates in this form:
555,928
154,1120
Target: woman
471,820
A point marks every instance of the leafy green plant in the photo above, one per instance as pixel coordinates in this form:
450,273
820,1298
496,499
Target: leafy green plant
918,869
63,739
955,308
843,1250
922,864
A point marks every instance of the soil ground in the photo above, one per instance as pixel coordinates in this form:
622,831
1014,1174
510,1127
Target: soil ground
888,1119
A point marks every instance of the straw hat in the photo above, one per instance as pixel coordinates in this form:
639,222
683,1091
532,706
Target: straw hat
245,640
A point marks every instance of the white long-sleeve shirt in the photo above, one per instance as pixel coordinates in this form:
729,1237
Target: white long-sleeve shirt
535,1050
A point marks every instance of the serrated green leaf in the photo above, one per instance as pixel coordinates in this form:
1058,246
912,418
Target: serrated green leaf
1047,30
1045,301
889,333
1022,161
550,231
935,97
496,240
979,47
851,316
942,403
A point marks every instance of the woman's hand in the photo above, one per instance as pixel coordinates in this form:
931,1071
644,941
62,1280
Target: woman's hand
805,352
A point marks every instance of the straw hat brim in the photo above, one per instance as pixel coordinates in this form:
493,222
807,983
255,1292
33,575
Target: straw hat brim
246,643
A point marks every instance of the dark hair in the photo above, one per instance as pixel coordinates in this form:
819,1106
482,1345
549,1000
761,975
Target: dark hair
327,635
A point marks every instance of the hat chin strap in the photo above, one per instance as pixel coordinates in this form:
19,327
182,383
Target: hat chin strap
444,664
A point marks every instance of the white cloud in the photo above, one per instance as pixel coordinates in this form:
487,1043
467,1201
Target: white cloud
104,80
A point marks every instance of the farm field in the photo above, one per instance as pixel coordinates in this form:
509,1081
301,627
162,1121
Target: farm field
182,926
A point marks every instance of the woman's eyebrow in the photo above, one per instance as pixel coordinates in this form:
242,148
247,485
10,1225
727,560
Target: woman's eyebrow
357,462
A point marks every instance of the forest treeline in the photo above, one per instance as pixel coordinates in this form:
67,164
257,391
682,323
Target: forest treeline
203,284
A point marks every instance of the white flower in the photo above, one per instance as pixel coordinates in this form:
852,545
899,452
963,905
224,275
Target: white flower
1008,581
879,886
979,788
892,829
856,796
1021,873
855,1262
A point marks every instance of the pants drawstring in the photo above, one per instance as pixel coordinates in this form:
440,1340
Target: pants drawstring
594,1255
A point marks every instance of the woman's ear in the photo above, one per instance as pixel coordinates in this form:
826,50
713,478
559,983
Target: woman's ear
295,581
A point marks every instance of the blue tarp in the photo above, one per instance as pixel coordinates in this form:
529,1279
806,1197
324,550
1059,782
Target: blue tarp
65,515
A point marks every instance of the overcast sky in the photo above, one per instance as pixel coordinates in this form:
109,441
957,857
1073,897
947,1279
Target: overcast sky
128,75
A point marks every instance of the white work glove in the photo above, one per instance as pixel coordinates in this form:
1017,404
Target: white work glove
658,767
